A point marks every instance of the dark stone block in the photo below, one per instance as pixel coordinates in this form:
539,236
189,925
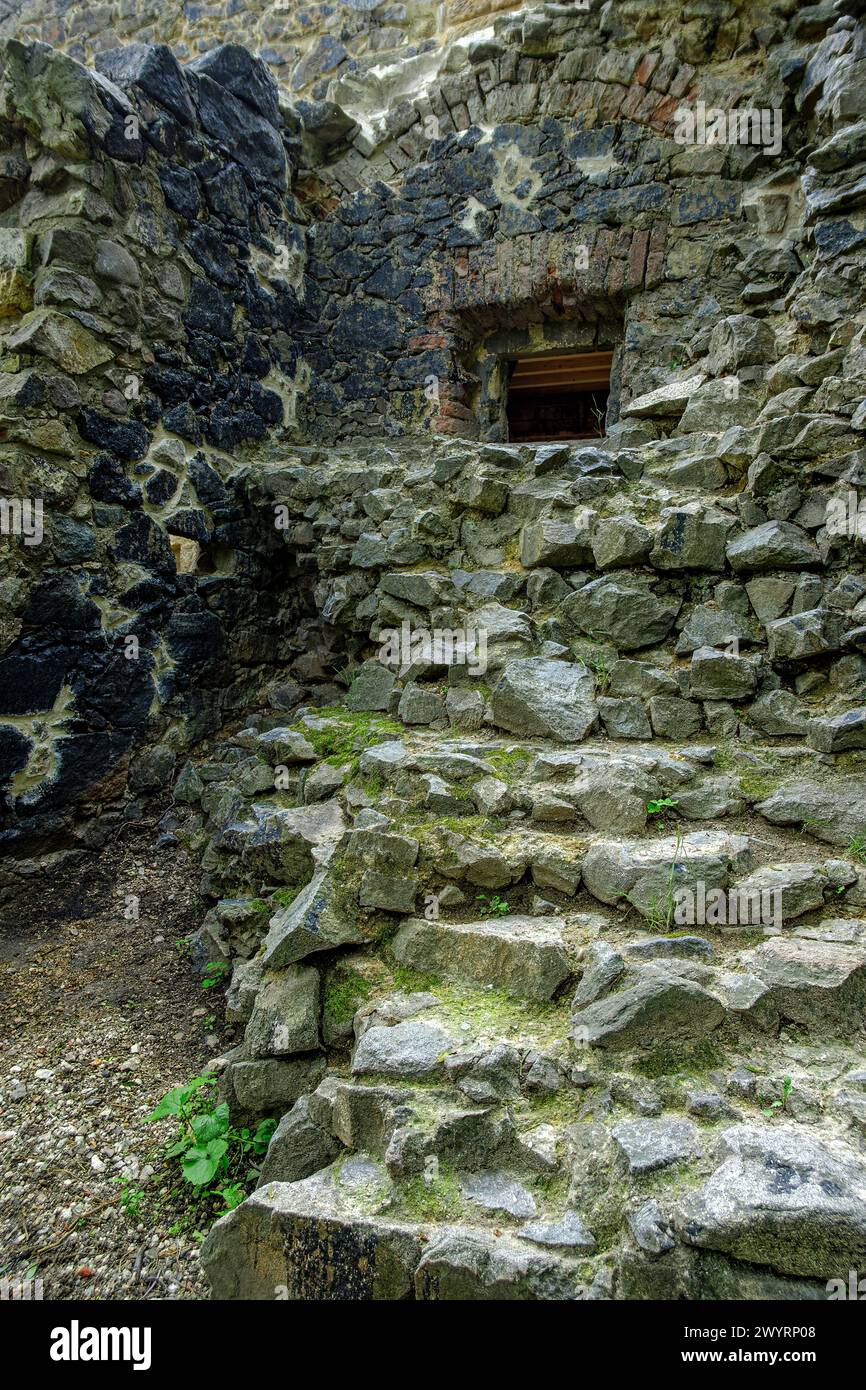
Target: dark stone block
116,141
189,522
194,638
207,246
58,603
149,598
113,691
144,543
255,360
209,310
72,542
226,194
170,384
154,69
250,140
362,324
108,483
14,751
246,77
30,681
161,488
127,438
208,484
182,420
230,425
266,403
85,758
181,191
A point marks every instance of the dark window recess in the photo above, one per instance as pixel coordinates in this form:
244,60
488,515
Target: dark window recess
559,397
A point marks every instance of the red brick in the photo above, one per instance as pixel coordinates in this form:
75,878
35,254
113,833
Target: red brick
646,67
663,115
637,258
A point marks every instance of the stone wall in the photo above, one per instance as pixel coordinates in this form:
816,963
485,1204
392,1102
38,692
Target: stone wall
202,270
149,244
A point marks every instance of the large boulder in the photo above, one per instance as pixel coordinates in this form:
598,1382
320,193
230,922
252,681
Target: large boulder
835,814
621,611
526,955
545,699
316,921
784,1198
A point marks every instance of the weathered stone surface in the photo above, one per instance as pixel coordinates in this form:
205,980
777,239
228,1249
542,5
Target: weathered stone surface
280,845
646,873
476,1265
718,675
804,635
839,732
412,1049
624,718
779,713
602,967
623,612
659,1008
781,1197
775,545
271,1085
557,544
286,1014
313,922
371,689
740,341
61,339
812,982
835,814
500,1192
526,955
619,542
651,1144
537,697
691,537
322,1232
298,1147
800,887
669,400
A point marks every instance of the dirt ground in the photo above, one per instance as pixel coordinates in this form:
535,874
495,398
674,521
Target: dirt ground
100,1015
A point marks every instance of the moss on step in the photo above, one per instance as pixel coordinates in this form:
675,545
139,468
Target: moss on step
345,992
347,734
491,1011
438,1198
692,1061
508,762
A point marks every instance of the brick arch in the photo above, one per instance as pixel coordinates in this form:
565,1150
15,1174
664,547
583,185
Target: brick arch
488,304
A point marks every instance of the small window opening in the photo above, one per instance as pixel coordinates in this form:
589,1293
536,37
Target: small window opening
562,397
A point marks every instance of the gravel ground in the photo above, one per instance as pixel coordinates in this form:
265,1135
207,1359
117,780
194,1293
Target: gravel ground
99,1017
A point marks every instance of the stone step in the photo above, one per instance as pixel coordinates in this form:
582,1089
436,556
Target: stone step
350,1233
533,956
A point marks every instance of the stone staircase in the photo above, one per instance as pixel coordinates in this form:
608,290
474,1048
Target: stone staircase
506,1061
